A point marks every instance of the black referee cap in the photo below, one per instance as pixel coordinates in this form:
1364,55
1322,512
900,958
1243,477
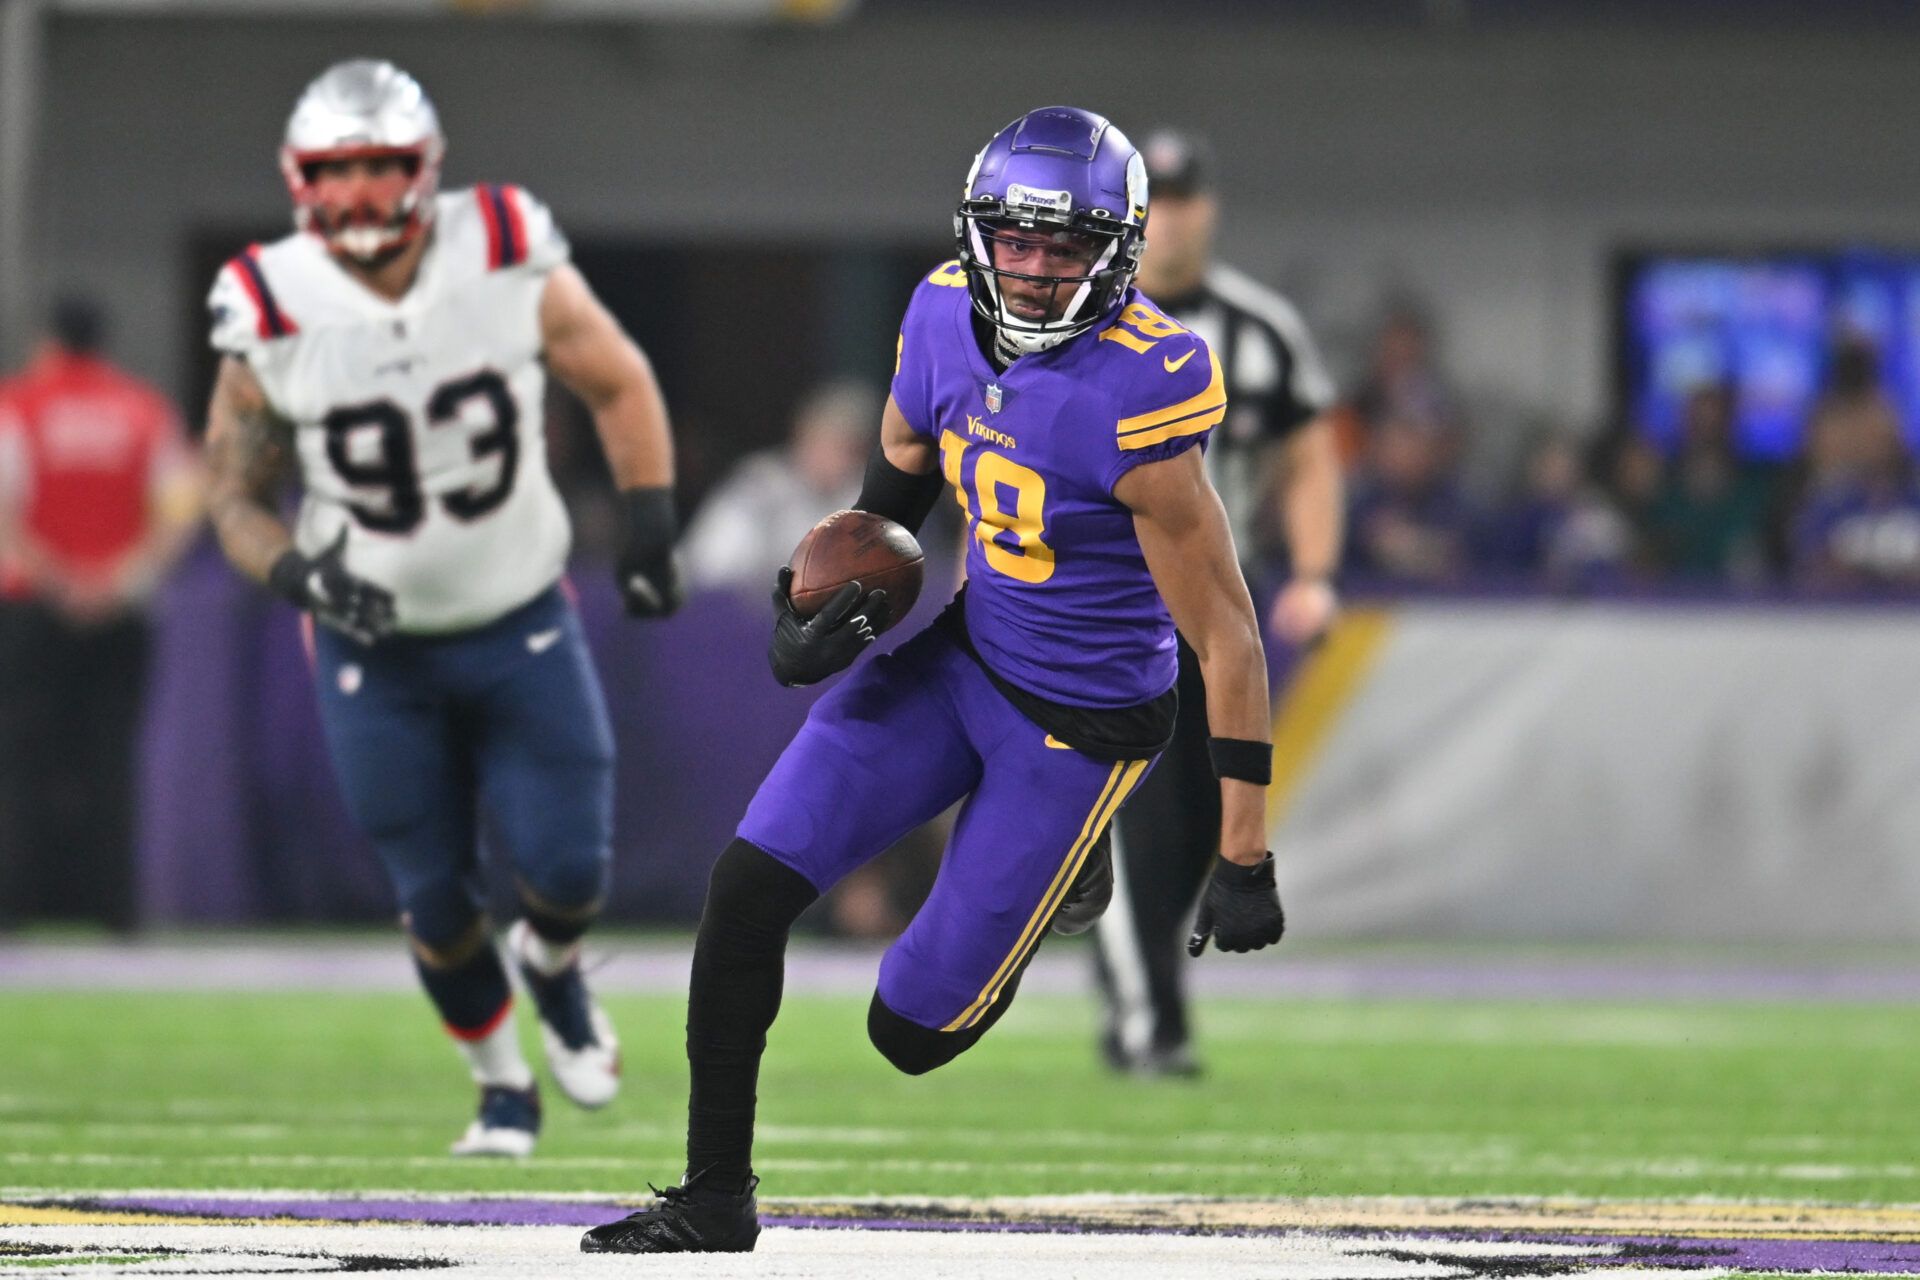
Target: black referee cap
1178,163
76,323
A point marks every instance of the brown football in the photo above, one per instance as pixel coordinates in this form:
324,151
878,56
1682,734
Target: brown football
856,546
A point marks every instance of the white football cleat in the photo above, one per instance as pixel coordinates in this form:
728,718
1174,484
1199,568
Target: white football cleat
582,1050
508,1122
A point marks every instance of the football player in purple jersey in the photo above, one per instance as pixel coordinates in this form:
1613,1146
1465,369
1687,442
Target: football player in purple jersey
1065,411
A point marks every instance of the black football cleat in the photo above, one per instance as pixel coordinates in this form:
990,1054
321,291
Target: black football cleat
685,1219
1091,890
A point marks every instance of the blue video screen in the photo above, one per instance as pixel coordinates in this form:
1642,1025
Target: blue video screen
1764,326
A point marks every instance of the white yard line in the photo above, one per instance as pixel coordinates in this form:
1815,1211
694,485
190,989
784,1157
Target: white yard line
201,1115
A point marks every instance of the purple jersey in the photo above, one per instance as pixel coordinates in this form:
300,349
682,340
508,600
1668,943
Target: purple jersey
1059,601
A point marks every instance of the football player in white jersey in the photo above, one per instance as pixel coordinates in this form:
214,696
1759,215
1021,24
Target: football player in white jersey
394,350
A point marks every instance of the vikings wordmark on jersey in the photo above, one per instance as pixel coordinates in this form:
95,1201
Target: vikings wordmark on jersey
419,421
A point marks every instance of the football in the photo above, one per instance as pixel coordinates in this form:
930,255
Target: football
856,546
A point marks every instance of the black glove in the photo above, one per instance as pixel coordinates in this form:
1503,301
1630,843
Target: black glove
649,580
322,586
1241,908
808,650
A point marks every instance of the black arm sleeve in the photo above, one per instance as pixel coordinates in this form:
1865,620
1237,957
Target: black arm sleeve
902,498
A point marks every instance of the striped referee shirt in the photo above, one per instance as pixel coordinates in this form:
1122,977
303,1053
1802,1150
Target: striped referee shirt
1276,383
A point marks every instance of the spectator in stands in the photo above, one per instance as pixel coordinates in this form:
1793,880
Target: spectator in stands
1857,519
753,519
1563,530
1631,474
1408,522
1709,519
1863,533
1854,431
98,496
1403,384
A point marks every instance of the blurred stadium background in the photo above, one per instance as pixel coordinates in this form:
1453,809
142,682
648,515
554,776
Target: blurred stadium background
1578,215
1624,304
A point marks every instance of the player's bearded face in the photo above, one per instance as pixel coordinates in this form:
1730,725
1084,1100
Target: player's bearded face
1039,271
360,203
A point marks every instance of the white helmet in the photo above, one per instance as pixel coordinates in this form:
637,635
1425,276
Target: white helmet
363,108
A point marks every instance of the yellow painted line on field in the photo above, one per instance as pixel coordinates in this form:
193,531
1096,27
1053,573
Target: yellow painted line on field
1326,683
85,1215
1746,1221
33,1215
1632,1218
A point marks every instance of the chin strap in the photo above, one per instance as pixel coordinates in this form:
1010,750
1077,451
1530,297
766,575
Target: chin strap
1009,345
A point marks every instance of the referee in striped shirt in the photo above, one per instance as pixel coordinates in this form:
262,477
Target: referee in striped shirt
1275,464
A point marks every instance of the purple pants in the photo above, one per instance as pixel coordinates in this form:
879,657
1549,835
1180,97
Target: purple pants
892,746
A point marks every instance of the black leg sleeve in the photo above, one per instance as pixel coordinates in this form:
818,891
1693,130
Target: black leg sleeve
739,968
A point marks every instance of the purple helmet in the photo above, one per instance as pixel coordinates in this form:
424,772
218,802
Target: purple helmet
1064,170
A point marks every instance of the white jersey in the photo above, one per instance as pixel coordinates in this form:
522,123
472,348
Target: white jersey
419,423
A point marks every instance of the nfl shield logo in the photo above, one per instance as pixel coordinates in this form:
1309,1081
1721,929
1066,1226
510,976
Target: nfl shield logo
995,397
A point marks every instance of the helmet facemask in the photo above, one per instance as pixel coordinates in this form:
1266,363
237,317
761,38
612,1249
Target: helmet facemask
1087,295
368,236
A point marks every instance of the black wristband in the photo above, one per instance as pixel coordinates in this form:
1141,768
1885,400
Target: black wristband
652,522
288,577
900,496
1242,758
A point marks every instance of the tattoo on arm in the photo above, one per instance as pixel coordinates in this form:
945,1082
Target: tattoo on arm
252,459
249,451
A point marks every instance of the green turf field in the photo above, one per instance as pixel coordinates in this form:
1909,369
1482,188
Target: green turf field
1304,1097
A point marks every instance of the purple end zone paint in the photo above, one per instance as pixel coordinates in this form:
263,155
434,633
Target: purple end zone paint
1885,1257
1700,1252
1760,1255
